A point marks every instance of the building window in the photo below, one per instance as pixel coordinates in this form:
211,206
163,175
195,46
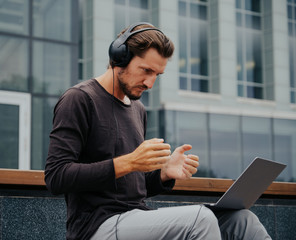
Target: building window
51,19
249,49
226,144
38,56
14,16
193,46
14,63
291,8
130,11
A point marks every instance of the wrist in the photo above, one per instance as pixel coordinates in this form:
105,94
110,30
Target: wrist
122,166
163,176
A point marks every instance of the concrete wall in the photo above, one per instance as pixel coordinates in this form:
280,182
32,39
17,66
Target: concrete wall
36,214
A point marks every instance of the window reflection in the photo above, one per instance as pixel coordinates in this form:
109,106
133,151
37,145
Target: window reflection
252,5
13,63
9,136
52,19
51,68
256,139
249,49
193,46
284,147
189,128
41,127
14,16
130,11
292,48
226,144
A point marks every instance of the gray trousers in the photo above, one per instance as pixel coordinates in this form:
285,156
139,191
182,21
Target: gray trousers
180,223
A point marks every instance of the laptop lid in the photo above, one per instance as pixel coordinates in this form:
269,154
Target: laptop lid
249,186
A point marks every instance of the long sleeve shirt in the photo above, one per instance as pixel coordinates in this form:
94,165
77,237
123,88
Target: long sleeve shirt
90,128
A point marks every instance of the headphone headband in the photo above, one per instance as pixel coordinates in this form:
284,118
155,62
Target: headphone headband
119,53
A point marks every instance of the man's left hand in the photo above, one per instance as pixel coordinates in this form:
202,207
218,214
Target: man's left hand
180,165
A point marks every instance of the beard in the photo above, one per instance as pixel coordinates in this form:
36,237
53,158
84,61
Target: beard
125,88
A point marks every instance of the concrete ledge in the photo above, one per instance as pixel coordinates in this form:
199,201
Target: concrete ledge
29,211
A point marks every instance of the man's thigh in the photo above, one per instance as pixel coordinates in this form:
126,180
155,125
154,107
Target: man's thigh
185,222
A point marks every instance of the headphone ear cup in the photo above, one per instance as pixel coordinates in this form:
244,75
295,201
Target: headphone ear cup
119,54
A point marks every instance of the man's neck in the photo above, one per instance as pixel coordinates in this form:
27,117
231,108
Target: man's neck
106,81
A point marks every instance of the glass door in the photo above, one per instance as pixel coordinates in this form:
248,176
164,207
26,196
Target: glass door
15,130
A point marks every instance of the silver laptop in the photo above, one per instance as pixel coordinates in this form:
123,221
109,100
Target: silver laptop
249,186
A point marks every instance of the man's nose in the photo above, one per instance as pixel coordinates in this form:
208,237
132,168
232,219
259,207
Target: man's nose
149,81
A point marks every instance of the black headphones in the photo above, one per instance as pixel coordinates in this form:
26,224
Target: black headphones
119,53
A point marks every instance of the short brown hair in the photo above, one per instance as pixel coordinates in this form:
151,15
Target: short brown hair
139,43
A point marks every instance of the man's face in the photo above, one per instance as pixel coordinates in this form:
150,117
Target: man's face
141,73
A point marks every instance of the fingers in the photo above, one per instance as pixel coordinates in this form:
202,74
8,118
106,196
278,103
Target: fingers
184,148
156,144
190,165
151,155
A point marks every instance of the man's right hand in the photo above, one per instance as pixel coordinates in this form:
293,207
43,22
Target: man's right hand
149,156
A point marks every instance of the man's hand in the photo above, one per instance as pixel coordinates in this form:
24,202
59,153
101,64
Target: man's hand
151,155
180,166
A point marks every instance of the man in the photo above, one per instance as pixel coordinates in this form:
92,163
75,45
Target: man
99,159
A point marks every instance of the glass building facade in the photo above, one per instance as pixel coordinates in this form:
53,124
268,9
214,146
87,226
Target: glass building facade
229,89
38,61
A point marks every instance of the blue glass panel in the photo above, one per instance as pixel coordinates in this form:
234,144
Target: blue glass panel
51,68
14,16
183,83
239,55
238,3
238,19
290,28
194,11
284,147
52,19
240,90
182,9
9,136
255,92
120,2
182,46
293,97
199,85
253,22
254,57
290,12
191,129
225,146
42,114
199,49
292,63
253,5
13,63
203,12
256,138
139,4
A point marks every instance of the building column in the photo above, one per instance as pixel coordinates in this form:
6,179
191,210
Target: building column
226,48
280,53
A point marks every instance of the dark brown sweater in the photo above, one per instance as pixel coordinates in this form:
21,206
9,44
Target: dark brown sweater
90,128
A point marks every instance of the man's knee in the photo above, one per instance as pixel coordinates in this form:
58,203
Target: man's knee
241,224
206,225
207,216
244,216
